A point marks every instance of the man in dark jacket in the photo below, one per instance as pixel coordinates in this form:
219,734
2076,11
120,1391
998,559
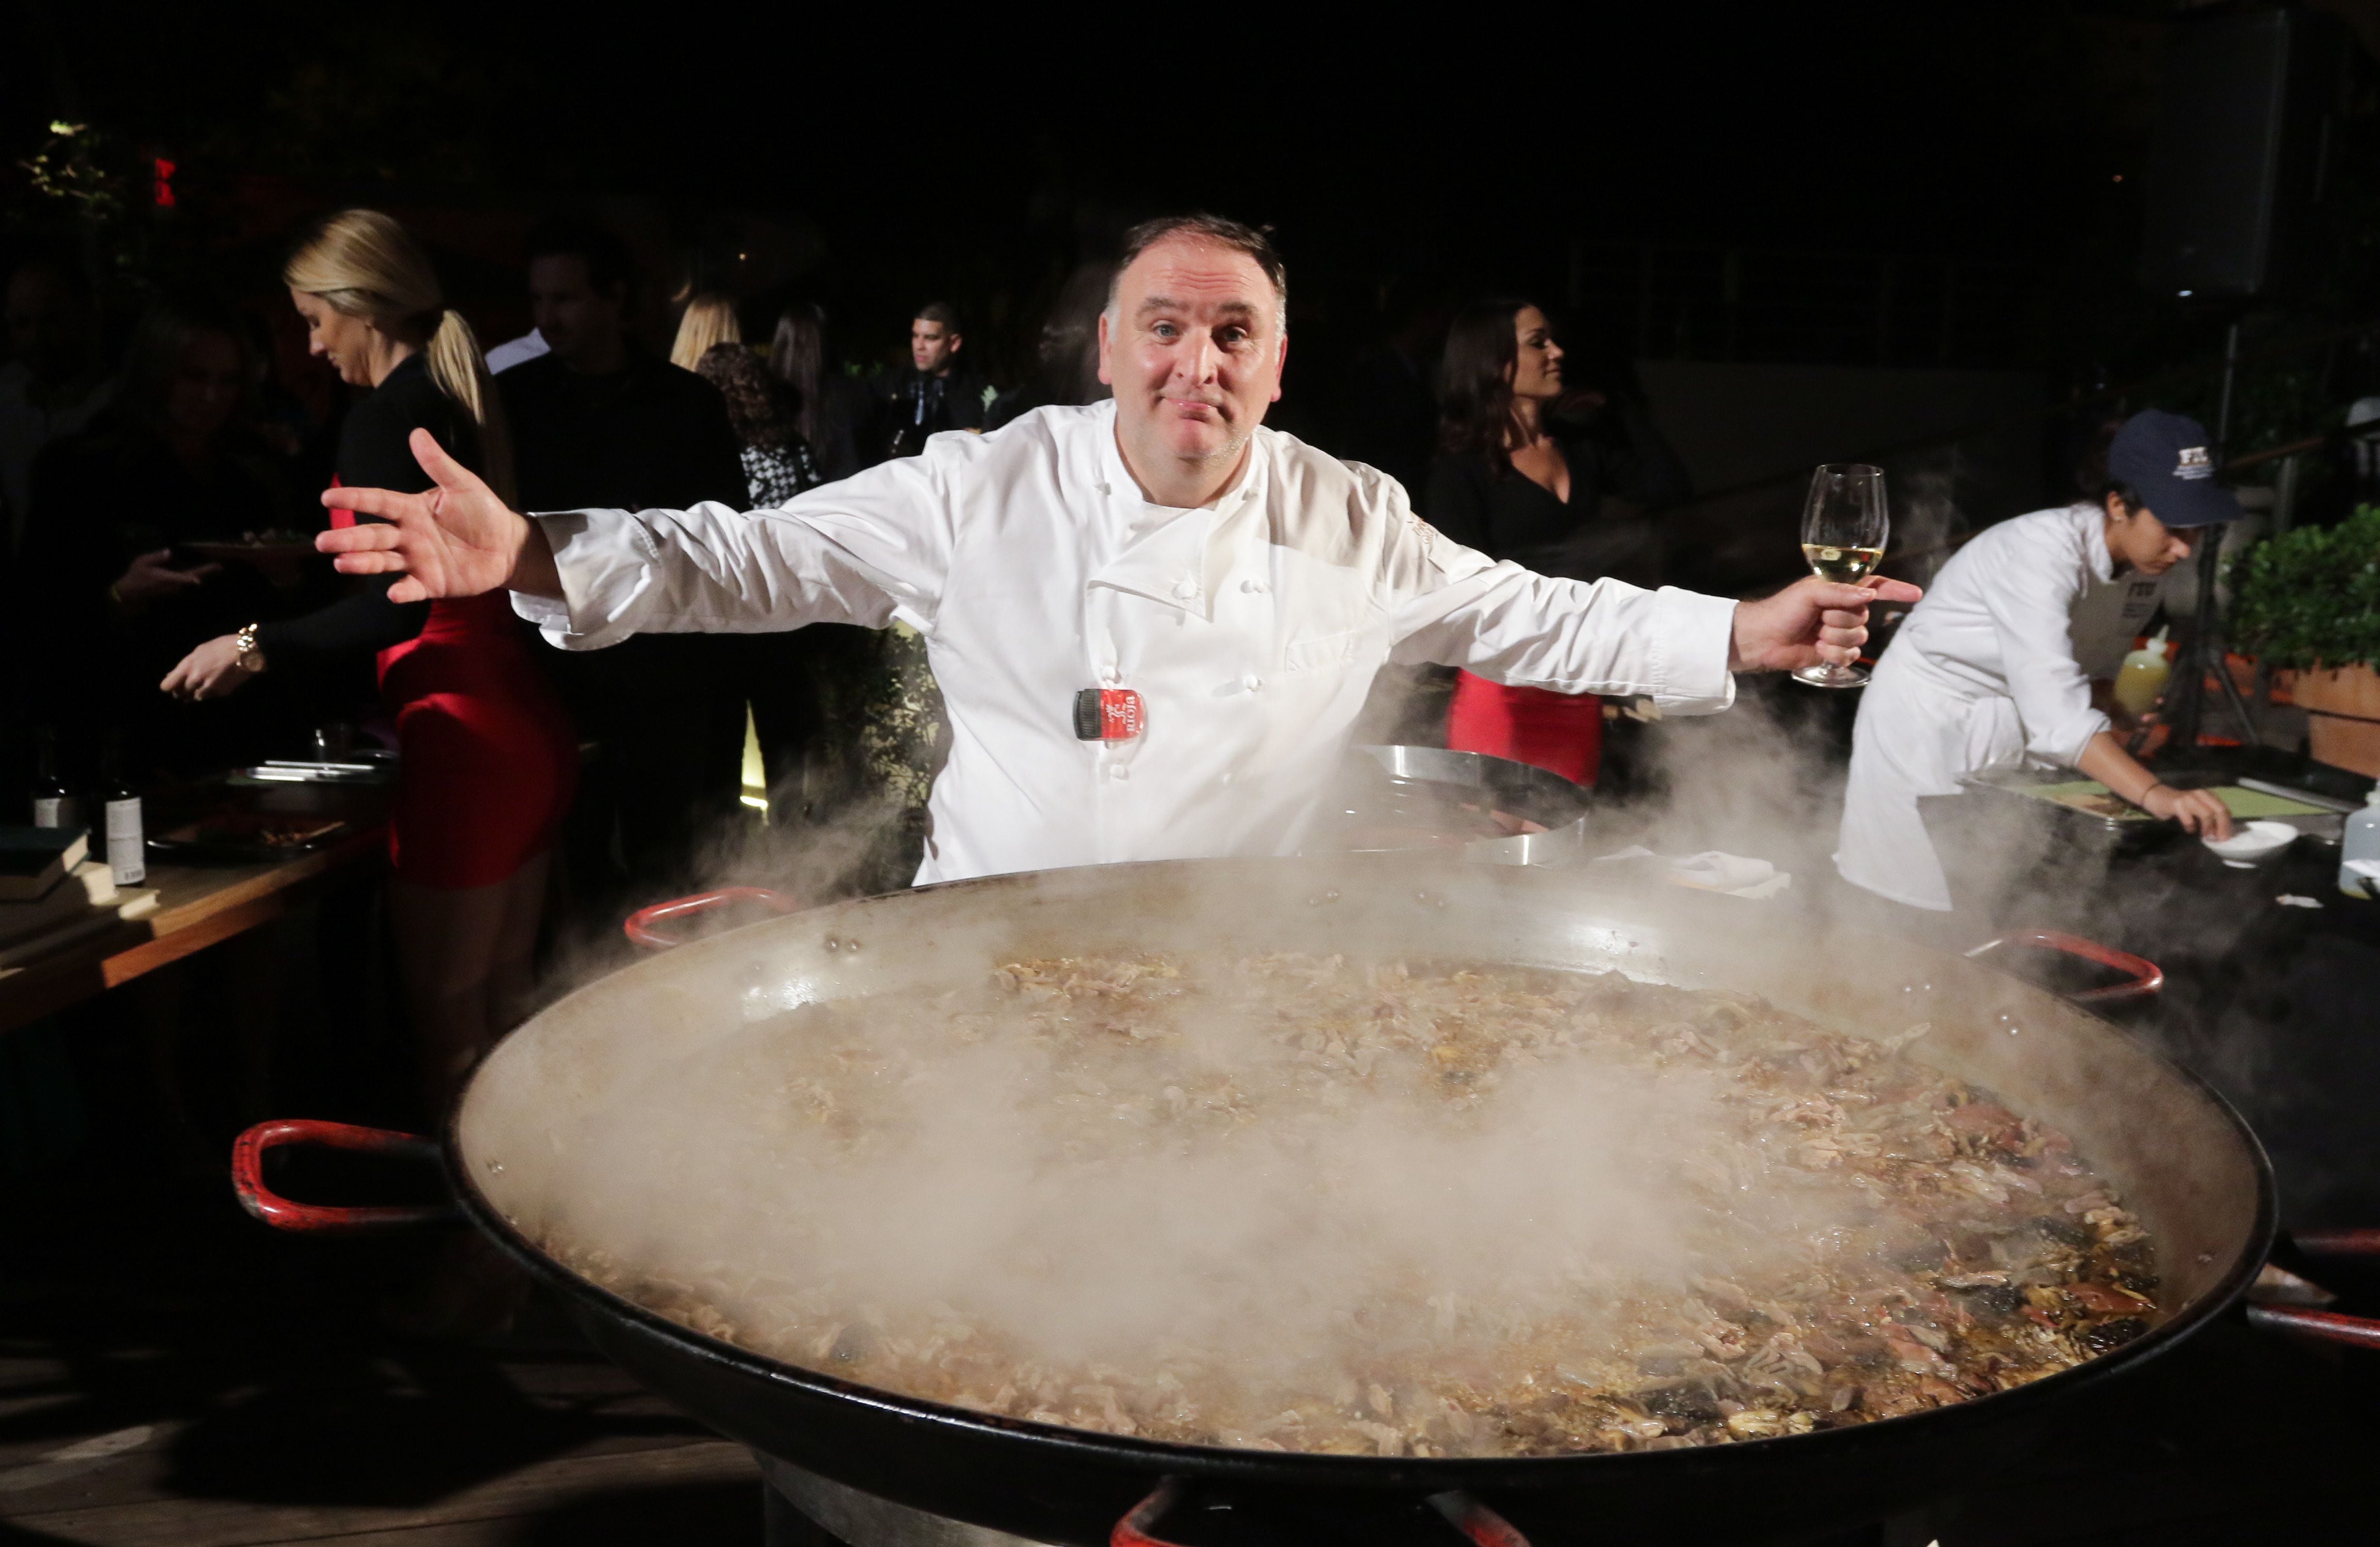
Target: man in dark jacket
601,421
935,394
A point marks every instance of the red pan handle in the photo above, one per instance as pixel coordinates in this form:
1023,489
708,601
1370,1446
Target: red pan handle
639,927
2147,976
2331,1326
283,1214
2337,1243
1480,1526
1134,1528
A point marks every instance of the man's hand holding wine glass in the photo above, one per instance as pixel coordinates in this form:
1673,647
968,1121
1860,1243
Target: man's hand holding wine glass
1809,624
457,539
1844,527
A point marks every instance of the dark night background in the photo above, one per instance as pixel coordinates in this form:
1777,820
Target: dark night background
876,158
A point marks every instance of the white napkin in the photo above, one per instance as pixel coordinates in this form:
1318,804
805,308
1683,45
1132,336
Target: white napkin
1709,871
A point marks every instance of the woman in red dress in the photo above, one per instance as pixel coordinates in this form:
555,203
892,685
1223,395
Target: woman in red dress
1523,475
487,757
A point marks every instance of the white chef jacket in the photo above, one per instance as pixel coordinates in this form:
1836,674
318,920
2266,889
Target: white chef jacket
1990,671
1251,627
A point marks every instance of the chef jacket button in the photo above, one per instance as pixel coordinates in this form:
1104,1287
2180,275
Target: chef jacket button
1254,587
1119,771
1253,683
1185,589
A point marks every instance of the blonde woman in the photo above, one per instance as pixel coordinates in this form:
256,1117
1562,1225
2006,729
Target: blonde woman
489,756
709,321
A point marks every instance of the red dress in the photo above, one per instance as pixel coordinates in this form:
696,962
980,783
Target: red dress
489,757
1561,732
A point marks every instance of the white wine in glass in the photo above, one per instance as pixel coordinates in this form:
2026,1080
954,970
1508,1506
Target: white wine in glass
1844,527
1844,566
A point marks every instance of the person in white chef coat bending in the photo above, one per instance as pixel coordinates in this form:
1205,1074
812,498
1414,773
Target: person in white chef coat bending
1992,668
1153,620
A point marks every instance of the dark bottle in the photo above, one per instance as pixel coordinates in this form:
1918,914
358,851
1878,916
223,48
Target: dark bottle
127,853
919,413
55,805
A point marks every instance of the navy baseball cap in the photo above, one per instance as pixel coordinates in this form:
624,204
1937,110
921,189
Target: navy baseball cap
2166,460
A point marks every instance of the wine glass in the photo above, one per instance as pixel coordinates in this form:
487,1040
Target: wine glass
1843,531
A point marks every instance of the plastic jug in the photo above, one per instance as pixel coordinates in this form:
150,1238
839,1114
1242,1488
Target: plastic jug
2361,842
2142,678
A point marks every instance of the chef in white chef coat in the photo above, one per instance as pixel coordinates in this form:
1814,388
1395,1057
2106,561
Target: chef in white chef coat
1223,591
1993,668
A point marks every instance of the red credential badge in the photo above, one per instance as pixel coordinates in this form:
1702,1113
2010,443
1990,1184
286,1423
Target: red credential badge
1108,714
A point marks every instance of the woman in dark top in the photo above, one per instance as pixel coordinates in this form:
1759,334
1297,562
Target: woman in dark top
489,759
109,587
826,413
1519,478
846,718
765,414
776,675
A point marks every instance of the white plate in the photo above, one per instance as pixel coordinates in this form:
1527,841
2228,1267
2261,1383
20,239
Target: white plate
2250,841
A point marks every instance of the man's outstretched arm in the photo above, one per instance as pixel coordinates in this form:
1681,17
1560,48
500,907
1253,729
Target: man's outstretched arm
853,553
455,540
1458,608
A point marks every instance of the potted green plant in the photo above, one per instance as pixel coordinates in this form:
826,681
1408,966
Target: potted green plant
2308,601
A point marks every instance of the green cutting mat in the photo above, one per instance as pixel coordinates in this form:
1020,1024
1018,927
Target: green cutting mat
2245,805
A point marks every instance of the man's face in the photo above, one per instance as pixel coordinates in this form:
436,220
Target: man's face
49,328
1194,347
205,388
931,344
569,311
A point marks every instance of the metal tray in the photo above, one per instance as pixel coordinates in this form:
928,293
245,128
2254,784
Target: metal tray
1995,808
1492,809
230,851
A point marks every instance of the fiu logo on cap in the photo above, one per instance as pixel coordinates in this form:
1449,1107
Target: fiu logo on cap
2195,464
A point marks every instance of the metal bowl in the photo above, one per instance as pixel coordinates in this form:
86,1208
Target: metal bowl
1492,810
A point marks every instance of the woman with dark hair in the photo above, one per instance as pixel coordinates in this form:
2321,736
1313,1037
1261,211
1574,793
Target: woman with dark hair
842,715
1522,475
762,411
107,585
777,675
825,415
1993,668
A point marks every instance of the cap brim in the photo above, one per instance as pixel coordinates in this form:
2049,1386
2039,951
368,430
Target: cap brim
2184,503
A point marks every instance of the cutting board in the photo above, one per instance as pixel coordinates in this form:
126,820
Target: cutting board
2245,805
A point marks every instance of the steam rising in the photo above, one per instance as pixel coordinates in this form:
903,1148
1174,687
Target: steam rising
1035,1184
1213,1192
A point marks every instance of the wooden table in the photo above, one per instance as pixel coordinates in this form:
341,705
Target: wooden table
198,906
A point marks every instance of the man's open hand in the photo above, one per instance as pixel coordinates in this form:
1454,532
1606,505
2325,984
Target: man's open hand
458,540
1809,621
154,575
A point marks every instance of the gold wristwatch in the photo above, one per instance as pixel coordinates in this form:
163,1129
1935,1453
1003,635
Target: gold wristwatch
250,658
